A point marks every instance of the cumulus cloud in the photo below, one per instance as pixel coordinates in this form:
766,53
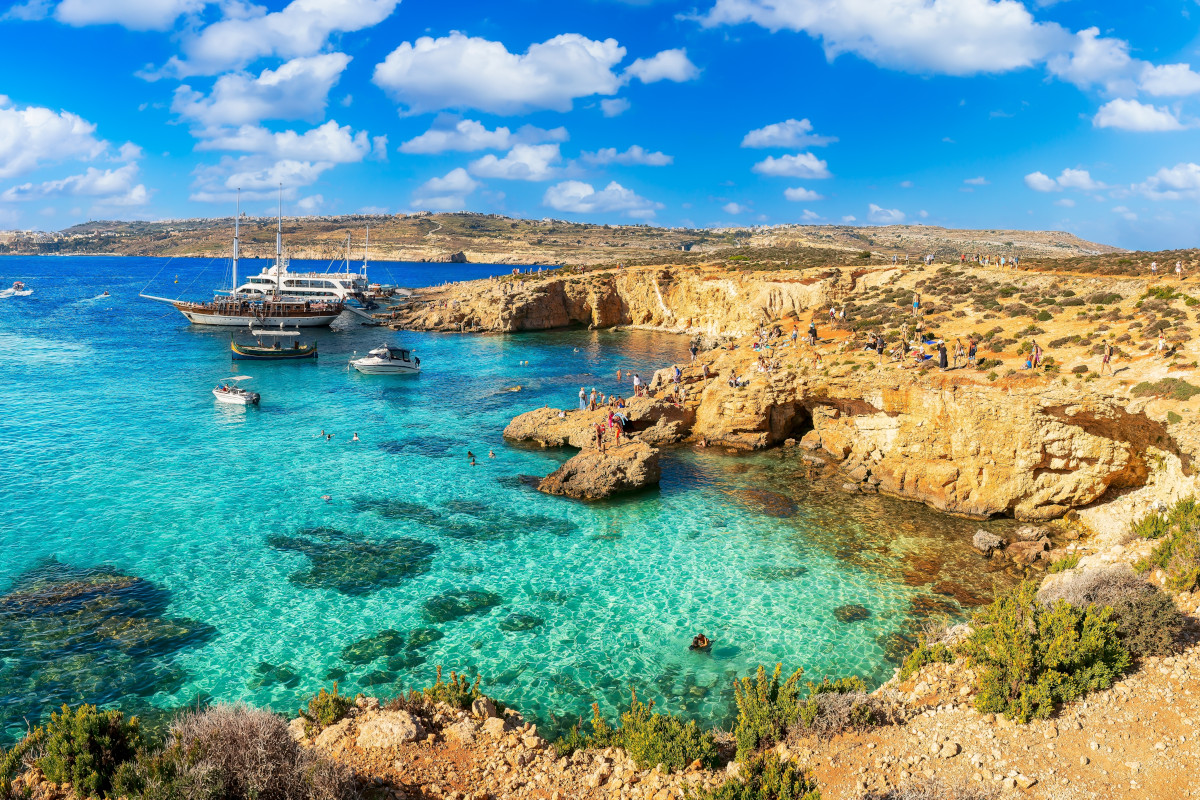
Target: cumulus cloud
809,216
466,135
801,165
799,194
1065,202
849,218
108,187
884,216
789,133
446,193
1169,80
1125,212
1093,60
952,37
636,154
298,89
29,11
1180,182
33,136
138,15
458,71
328,142
311,204
582,198
734,208
1079,179
668,65
614,106
980,181
248,32
525,162
259,177
1130,115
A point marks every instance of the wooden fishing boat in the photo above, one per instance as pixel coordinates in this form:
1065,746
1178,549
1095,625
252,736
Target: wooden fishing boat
271,346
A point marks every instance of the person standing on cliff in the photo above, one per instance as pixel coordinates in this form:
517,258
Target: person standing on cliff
942,358
637,385
582,399
592,400
972,349
812,333
678,373
958,351
704,371
916,304
693,351
1107,358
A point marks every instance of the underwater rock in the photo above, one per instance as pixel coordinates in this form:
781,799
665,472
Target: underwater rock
454,605
406,660
267,674
355,565
519,621
924,606
423,637
777,573
851,613
771,504
986,542
376,678
399,509
896,646
473,507
96,635
385,643
336,674
962,594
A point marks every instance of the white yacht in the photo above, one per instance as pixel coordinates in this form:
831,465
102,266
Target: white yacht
277,306
235,394
328,286
385,360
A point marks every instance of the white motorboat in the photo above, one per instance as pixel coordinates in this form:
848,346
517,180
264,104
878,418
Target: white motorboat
17,290
234,394
385,360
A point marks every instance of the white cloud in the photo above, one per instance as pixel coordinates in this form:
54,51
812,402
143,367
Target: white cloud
1179,182
1065,202
809,216
311,203
668,65
1169,80
636,154
466,135
32,136
1092,60
789,133
953,37
1125,212
800,195
582,198
614,107
1069,178
906,184
525,162
458,71
138,15
801,165
1041,182
301,28
107,187
849,218
980,181
298,89
885,216
447,193
29,11
923,214
734,208
327,142
1130,115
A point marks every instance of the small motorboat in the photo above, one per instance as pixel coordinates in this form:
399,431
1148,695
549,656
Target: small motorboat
235,394
385,360
17,290
270,347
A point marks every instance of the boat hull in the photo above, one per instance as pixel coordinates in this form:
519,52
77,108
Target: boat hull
385,369
320,320
229,398
241,352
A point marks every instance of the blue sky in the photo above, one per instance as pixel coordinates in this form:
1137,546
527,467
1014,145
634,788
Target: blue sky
1070,115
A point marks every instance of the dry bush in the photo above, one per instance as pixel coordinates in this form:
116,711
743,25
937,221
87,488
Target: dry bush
934,790
250,755
1098,585
838,712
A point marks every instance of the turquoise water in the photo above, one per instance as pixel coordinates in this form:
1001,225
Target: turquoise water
158,546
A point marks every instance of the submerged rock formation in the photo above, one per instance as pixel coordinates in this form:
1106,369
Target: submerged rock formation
594,474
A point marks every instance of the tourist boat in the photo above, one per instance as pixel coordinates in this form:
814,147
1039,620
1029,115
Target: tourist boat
18,290
278,307
330,287
273,349
385,360
235,394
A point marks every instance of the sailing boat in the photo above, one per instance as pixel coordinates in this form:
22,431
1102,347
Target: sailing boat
238,309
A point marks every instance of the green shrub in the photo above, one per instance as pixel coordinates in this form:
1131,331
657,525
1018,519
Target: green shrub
766,709
85,747
1174,388
1044,316
13,759
1065,563
1173,418
924,654
651,739
764,777
324,709
458,692
1178,553
1028,658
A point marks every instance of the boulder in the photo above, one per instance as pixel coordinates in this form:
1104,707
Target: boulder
462,732
484,708
650,420
986,542
594,475
296,729
1025,553
1029,533
859,473
328,737
494,727
811,441
390,729
458,258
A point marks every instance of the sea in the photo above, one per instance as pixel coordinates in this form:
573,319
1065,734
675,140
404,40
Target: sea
160,550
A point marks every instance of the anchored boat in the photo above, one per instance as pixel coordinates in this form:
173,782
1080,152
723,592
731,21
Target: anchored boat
385,360
235,394
273,346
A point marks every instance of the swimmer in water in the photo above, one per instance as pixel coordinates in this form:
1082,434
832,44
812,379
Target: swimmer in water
326,497
491,453
328,436
472,461
471,456
355,439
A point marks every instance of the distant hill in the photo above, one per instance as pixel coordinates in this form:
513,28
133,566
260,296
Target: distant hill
490,238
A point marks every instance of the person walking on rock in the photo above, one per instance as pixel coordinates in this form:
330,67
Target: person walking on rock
1107,358
582,399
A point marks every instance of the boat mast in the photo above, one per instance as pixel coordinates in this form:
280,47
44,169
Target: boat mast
236,220
279,243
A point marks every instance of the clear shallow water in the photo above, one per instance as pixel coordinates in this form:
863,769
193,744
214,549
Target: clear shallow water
158,546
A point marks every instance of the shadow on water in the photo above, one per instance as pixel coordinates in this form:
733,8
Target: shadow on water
70,635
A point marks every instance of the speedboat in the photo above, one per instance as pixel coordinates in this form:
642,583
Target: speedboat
273,349
235,394
18,290
385,360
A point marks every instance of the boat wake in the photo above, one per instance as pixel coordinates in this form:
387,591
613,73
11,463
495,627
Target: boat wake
15,293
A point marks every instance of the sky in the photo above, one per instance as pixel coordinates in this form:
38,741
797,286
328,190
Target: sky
1075,115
